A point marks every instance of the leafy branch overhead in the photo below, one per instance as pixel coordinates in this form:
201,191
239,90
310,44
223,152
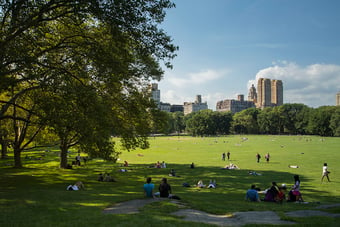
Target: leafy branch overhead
84,66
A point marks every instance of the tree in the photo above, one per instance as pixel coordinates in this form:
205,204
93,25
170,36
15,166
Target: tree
319,121
265,121
4,137
200,123
178,122
208,122
223,121
246,121
162,121
111,48
302,118
25,125
335,122
293,116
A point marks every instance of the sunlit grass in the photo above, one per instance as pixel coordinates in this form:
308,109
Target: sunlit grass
38,191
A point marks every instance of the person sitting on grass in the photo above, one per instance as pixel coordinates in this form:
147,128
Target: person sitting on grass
164,189
108,178
295,194
100,177
282,193
272,193
76,187
148,188
158,165
172,173
252,194
126,164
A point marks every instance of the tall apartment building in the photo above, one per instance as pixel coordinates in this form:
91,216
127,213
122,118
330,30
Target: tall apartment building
337,102
234,105
190,107
155,93
264,93
269,93
277,93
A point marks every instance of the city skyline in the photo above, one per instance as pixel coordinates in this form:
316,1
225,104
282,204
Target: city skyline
225,46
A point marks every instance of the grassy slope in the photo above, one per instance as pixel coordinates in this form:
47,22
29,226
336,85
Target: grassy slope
36,196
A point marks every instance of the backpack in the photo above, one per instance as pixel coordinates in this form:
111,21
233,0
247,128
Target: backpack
185,184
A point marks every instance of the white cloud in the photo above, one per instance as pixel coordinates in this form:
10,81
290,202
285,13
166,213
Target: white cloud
314,85
196,78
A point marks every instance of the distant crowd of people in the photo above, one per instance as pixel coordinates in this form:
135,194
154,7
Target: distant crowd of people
274,193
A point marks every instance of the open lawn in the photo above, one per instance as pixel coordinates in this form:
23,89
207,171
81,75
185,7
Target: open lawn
36,195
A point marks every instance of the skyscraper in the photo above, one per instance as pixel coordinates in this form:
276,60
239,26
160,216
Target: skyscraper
277,93
269,93
337,99
155,93
263,93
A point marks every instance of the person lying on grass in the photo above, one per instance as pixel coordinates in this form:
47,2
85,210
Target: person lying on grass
231,166
77,186
212,184
200,184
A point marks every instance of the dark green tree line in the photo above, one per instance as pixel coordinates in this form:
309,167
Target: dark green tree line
286,119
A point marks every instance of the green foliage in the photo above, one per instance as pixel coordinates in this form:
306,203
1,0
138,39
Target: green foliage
208,122
335,122
246,121
319,121
86,66
286,119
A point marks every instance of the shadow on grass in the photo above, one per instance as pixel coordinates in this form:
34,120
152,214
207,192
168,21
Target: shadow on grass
30,191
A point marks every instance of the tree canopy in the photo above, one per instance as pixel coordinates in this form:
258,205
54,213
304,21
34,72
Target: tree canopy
85,66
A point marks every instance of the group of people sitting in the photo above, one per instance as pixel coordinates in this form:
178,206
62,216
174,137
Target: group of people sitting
164,189
80,185
160,165
106,178
276,193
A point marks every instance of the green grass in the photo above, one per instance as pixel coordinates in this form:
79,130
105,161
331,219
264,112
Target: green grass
36,195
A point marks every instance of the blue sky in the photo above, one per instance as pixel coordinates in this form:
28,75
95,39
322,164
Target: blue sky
225,45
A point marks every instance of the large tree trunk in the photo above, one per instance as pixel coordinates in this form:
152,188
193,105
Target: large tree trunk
17,157
63,155
4,145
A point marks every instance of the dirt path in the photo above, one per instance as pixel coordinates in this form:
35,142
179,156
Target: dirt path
236,219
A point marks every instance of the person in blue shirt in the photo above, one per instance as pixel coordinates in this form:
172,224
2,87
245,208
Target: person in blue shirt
252,194
148,188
